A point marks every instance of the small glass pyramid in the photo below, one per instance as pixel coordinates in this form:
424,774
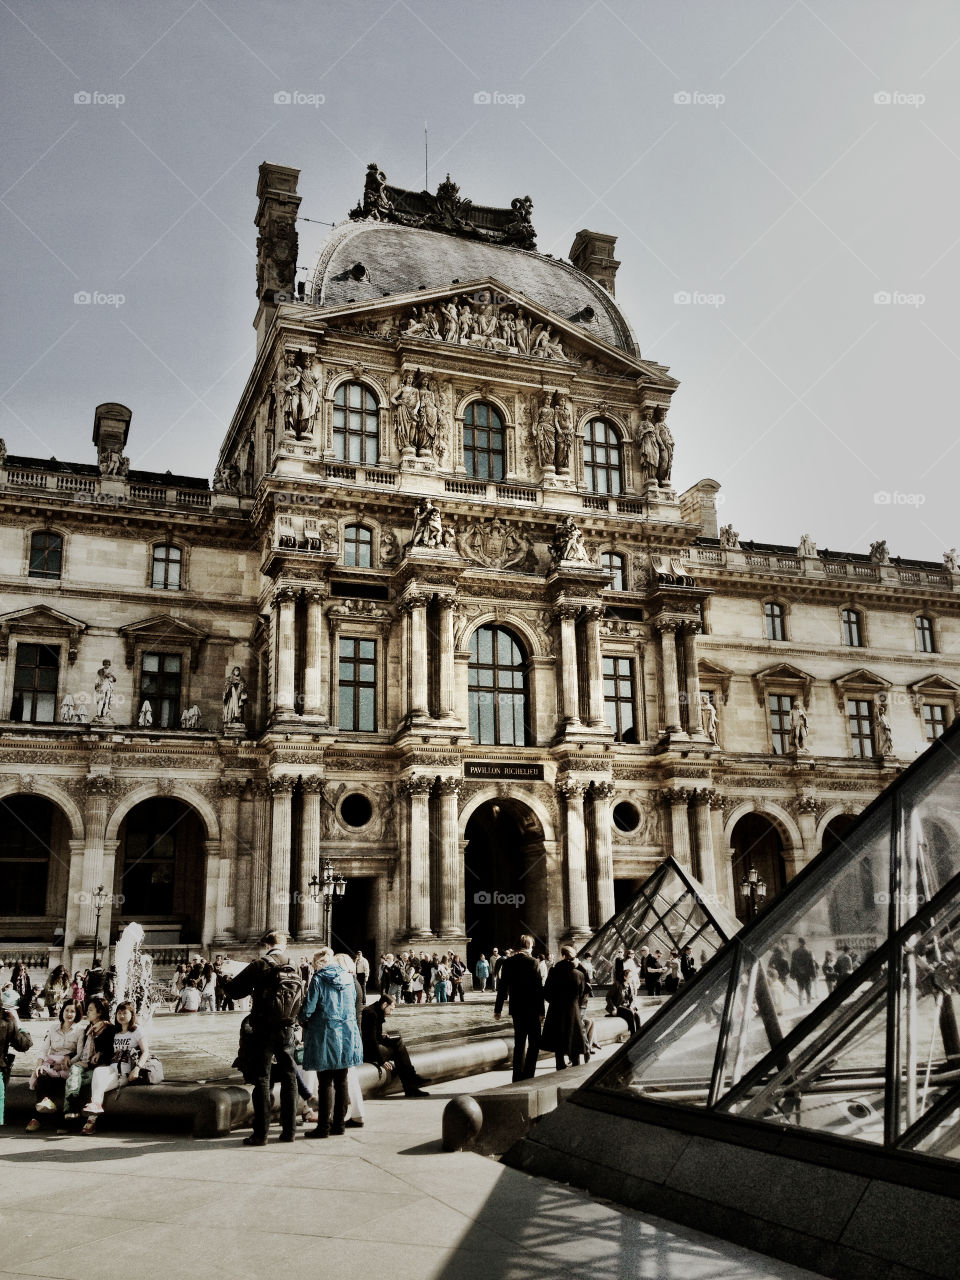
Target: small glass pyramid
865,1046
671,910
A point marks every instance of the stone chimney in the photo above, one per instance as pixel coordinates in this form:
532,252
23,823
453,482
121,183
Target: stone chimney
592,253
277,242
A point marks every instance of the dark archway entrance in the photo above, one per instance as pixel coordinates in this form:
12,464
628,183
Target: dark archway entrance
505,879
34,866
161,871
835,830
757,842
353,925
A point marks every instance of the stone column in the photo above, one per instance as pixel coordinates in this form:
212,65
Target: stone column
231,790
451,864
415,608
211,891
447,709
594,666
694,708
418,790
575,859
283,605
99,791
706,858
278,905
260,860
313,664
311,834
71,928
566,614
671,688
677,798
603,792
808,809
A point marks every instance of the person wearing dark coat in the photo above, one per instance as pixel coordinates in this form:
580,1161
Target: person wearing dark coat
268,1042
12,1039
565,992
378,1047
519,983
24,989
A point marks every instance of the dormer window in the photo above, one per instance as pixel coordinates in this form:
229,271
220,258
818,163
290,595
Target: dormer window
356,419
358,546
46,554
167,565
601,457
483,436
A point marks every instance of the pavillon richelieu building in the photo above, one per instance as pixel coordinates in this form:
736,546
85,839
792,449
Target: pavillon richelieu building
444,620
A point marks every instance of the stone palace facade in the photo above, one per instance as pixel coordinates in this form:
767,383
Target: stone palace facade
442,621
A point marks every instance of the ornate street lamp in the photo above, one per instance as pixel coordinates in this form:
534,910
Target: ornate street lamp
331,885
754,890
99,902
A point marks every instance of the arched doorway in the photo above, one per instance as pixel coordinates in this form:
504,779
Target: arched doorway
160,870
835,831
34,868
504,877
756,842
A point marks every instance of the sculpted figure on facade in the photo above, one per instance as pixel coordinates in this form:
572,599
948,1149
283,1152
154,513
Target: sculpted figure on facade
234,698
806,546
451,320
406,406
191,717
298,395
113,463
374,203
103,689
568,543
729,537
710,723
564,435
799,727
544,430
428,422
884,729
665,441
389,547
226,478
145,718
879,553
427,526
648,446
951,560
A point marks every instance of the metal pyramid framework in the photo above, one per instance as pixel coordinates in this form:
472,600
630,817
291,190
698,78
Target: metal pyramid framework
869,1053
671,910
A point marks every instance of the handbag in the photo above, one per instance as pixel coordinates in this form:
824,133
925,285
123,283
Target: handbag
152,1073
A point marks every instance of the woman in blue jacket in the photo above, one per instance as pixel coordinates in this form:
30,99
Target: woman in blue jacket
331,1039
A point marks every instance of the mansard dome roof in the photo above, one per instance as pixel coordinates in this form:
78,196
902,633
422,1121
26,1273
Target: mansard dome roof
399,260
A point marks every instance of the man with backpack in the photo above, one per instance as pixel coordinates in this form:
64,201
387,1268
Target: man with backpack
277,995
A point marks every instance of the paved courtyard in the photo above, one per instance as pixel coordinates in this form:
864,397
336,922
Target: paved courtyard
382,1200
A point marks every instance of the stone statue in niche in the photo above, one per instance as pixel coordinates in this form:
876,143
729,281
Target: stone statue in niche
113,463
564,419
665,441
234,698
544,430
226,478
103,689
429,419
799,727
710,721
389,547
406,412
884,730
568,543
427,526
298,395
648,446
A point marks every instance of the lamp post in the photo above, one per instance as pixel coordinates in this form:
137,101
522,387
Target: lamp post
754,890
331,885
99,901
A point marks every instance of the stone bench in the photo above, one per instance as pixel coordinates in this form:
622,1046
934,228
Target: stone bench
206,1110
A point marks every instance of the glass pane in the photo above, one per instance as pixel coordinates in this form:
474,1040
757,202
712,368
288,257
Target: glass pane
367,711
346,709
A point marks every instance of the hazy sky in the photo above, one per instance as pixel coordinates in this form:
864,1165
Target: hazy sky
781,163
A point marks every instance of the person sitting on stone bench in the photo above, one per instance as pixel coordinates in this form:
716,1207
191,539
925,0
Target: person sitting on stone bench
379,1048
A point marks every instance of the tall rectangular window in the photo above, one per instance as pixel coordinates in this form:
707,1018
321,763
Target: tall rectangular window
35,684
46,555
852,628
781,704
934,720
619,702
160,686
613,563
358,685
167,561
776,616
860,720
924,635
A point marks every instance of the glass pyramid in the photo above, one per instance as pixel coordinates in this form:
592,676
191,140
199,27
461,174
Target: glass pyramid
670,910
836,1009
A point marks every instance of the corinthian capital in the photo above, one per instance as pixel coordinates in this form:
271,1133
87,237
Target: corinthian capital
572,788
603,789
450,786
675,795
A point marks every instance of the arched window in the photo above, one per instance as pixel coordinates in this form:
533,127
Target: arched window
167,563
483,441
776,619
924,627
497,688
601,457
852,628
46,554
358,546
613,563
356,417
